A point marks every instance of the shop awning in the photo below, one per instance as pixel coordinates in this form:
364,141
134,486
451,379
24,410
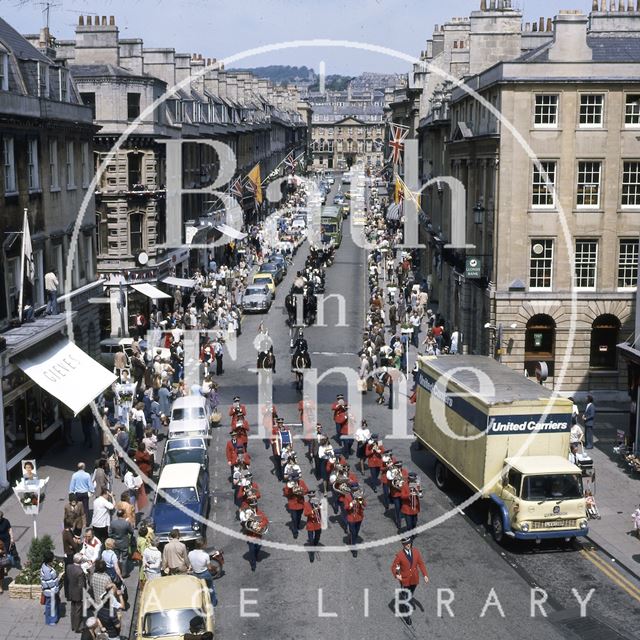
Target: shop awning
231,232
179,282
630,352
393,212
66,372
150,291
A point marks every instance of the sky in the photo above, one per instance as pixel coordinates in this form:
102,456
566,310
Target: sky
223,28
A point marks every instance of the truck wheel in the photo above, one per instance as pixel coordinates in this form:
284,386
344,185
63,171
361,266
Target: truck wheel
440,475
497,529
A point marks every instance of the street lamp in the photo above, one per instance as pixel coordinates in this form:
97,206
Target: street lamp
478,213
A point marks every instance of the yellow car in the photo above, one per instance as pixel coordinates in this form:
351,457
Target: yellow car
169,603
265,278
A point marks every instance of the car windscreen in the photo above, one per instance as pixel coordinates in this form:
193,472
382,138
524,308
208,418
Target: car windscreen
186,413
560,486
169,622
254,291
265,280
185,455
179,494
329,227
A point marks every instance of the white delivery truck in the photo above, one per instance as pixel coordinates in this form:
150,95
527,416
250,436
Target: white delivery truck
507,438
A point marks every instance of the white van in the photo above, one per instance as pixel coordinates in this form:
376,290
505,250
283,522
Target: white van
189,417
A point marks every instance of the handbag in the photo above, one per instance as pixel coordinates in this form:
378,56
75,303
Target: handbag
5,561
216,417
136,556
43,599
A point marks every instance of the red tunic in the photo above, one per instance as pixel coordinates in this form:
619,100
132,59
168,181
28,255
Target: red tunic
232,453
409,576
355,511
242,490
374,460
340,415
264,521
395,493
234,416
410,504
295,502
313,516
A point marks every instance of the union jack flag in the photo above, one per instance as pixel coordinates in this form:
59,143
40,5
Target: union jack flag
398,133
290,162
249,186
236,188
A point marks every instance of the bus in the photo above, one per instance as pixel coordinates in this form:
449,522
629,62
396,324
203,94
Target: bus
331,225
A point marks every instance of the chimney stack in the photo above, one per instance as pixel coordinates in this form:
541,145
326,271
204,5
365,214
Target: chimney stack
570,38
527,27
492,6
81,21
104,21
612,6
549,25
621,5
112,21
96,21
483,5
534,27
541,28
88,21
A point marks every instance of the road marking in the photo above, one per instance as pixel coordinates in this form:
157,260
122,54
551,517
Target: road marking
332,353
612,573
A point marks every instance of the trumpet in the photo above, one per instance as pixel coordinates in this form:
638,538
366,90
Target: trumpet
415,489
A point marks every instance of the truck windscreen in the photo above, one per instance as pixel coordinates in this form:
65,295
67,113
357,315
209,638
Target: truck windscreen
552,487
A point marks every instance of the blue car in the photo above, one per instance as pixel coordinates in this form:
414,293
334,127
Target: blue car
183,490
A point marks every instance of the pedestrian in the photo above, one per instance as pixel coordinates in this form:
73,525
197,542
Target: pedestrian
373,452
91,550
145,461
151,561
77,583
125,505
50,585
138,421
87,422
406,568
122,439
121,532
110,558
100,477
5,564
218,352
635,516
588,417
362,436
103,506
81,485
201,567
109,614
454,346
51,288
71,544
313,514
174,555
6,534
415,321
198,630
93,629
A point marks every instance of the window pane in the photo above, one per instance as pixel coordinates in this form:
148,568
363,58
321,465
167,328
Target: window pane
589,184
632,110
586,260
591,110
631,184
628,264
543,195
546,110
541,264
133,105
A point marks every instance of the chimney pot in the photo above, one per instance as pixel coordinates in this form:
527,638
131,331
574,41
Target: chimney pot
112,21
483,5
81,21
630,5
612,5
549,25
527,26
104,21
96,21
535,27
88,21
541,28
621,5
492,5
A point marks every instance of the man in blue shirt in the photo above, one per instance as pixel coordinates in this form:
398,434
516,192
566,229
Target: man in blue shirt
82,485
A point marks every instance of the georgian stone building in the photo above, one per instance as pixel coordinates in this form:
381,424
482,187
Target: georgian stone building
46,138
556,244
119,79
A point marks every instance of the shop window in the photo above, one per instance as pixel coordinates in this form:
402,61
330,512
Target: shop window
604,338
539,343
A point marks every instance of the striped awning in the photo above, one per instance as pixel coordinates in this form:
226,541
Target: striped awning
393,212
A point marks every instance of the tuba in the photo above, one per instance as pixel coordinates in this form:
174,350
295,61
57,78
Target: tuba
251,523
295,487
396,479
340,480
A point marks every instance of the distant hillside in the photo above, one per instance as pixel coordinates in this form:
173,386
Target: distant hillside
279,74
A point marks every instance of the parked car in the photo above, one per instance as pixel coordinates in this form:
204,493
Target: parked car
262,278
169,603
338,198
256,298
331,180
274,269
180,450
186,483
278,258
110,346
189,417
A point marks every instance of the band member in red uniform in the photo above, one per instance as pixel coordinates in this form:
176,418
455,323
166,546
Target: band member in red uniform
241,430
354,507
410,501
236,410
295,490
373,452
254,525
232,453
406,568
343,474
398,477
387,463
248,490
340,415
347,434
313,513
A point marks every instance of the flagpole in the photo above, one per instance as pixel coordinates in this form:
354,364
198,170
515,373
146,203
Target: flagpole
20,295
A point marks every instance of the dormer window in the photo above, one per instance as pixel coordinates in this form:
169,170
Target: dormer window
4,71
43,80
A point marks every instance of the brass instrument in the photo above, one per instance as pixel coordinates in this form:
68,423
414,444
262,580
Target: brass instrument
251,522
396,478
415,488
295,487
340,480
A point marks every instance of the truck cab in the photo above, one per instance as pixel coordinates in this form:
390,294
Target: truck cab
536,497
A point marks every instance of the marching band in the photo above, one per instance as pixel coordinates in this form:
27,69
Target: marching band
338,482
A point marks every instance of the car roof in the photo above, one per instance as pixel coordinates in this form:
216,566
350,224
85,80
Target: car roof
541,465
169,592
183,474
188,401
185,443
263,275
